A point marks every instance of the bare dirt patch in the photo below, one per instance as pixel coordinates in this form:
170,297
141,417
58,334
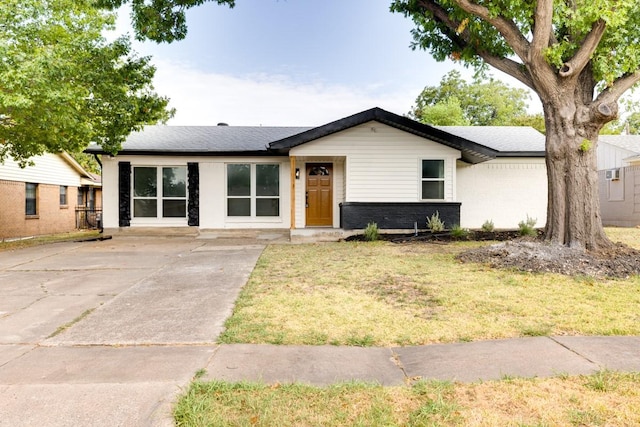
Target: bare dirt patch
534,255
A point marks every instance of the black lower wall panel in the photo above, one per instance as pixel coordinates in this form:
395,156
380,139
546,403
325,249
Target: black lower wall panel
356,215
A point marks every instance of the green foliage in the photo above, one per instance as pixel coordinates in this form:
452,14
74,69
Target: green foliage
458,232
585,145
488,226
160,20
371,233
63,86
87,161
527,227
446,30
444,113
479,103
434,223
535,121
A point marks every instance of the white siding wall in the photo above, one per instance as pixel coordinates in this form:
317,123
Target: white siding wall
213,205
610,156
382,164
48,169
504,191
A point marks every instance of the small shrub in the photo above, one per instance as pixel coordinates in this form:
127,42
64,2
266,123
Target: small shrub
488,226
527,227
434,223
458,232
371,233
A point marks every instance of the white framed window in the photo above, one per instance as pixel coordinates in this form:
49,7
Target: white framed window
432,179
159,191
253,190
63,195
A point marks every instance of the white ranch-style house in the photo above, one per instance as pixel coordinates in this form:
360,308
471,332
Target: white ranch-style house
374,166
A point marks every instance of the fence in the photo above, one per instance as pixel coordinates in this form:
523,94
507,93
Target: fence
88,218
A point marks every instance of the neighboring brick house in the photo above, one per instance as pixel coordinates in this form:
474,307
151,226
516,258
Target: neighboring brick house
49,197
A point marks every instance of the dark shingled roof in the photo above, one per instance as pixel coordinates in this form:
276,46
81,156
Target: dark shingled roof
477,144
507,140
203,139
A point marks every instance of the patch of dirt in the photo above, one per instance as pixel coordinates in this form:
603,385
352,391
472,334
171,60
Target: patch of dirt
619,261
533,254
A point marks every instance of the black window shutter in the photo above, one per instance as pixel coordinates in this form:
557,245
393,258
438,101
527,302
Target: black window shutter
193,207
124,194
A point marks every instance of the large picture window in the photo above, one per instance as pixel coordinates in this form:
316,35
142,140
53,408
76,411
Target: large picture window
160,192
253,190
432,180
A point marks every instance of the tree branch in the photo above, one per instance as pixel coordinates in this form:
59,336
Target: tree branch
580,59
542,25
510,67
505,65
620,86
506,27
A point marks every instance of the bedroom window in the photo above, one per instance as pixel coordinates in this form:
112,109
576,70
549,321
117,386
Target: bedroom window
253,190
432,180
159,192
31,199
63,195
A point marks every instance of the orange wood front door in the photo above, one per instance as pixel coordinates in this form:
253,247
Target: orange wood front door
319,197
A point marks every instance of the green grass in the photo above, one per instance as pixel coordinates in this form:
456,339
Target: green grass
66,326
383,294
51,238
379,294
561,401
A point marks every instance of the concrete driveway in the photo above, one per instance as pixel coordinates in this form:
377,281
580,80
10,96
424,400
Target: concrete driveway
108,332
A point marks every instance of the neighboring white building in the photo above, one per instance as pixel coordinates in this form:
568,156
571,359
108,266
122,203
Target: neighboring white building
374,166
619,179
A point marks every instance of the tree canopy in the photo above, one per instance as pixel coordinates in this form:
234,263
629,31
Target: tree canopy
479,103
159,20
62,85
578,56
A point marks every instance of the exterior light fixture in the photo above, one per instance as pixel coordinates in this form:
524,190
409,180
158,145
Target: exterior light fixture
297,173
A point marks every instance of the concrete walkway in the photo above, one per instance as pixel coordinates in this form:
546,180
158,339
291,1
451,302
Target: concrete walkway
110,332
463,362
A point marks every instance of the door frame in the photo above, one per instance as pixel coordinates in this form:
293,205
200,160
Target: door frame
309,165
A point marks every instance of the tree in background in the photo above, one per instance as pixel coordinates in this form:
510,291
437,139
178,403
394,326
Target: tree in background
482,103
446,112
63,86
579,57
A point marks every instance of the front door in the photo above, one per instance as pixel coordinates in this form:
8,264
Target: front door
319,197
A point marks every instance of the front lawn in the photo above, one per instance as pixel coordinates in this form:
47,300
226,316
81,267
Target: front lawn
605,398
380,294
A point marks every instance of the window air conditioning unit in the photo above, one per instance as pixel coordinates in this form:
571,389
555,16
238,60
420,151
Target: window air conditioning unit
612,174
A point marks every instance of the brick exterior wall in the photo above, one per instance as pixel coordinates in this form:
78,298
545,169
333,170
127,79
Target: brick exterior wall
51,217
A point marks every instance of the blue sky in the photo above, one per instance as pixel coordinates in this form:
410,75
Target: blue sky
290,62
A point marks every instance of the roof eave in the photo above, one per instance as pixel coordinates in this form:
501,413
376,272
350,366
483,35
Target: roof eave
193,153
521,154
472,152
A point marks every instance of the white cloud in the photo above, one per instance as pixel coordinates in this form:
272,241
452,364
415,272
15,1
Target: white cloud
206,98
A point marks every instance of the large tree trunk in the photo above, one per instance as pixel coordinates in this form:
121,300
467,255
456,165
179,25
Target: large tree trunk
573,210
